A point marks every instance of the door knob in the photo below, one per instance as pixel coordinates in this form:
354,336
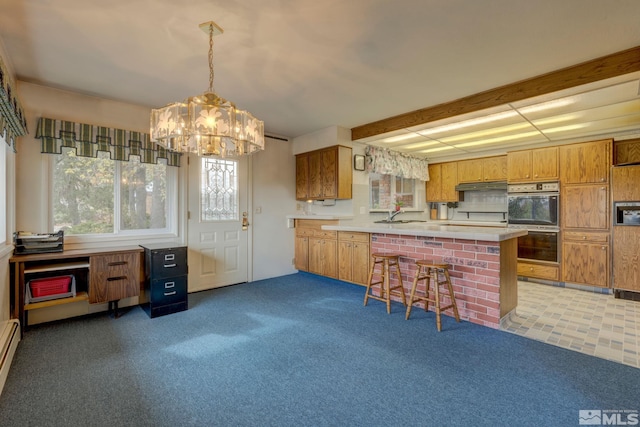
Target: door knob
245,221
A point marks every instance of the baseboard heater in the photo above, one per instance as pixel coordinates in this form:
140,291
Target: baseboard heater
9,338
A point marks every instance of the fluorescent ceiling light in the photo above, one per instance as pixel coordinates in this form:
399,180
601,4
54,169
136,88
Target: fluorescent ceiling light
418,145
556,103
433,150
399,138
566,128
484,133
467,123
498,139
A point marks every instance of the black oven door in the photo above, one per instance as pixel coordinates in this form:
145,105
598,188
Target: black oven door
533,209
539,246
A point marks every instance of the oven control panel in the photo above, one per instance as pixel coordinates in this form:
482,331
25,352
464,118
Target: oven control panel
535,187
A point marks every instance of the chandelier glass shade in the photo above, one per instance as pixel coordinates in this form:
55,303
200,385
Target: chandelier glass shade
207,124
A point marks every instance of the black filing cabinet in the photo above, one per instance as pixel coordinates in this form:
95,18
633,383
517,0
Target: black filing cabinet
165,270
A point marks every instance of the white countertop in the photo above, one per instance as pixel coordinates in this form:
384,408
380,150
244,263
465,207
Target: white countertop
314,216
430,229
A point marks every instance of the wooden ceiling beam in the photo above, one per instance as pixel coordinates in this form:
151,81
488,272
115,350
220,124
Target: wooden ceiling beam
616,64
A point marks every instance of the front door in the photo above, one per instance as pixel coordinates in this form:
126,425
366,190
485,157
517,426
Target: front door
217,239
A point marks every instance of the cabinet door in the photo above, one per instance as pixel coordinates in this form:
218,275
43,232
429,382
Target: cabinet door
494,168
519,166
315,174
345,261
587,162
469,171
585,206
449,175
302,253
330,173
360,263
114,277
434,185
302,177
626,264
315,255
544,163
330,258
585,263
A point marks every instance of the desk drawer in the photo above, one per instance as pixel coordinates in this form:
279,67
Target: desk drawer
169,290
167,263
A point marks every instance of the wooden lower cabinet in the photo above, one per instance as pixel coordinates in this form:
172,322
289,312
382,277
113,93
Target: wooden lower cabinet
114,277
323,257
585,258
316,250
353,257
539,271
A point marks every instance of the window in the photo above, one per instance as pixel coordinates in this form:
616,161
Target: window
385,191
102,196
219,190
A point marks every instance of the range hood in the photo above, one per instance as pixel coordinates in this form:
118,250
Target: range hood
482,186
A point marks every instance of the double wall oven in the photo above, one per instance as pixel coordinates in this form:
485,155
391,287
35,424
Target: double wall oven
536,208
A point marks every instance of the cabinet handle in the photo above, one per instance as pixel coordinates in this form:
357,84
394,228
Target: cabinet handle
169,285
113,279
168,294
530,268
604,248
535,176
169,265
584,237
169,257
116,263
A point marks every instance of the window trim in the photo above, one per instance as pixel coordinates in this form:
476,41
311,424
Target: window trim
123,236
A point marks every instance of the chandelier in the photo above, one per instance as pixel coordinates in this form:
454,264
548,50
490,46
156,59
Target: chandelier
207,124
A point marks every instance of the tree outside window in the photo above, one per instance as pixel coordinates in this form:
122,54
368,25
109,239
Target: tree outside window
87,201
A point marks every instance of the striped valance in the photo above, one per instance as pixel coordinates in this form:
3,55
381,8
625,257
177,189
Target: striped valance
12,120
88,140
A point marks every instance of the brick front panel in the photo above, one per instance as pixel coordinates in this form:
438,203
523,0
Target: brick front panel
474,267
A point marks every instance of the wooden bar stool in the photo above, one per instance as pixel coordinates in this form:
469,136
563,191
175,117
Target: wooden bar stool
385,261
429,271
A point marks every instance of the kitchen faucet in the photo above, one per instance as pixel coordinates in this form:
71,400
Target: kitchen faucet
393,214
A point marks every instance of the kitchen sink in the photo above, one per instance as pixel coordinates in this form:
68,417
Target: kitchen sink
398,221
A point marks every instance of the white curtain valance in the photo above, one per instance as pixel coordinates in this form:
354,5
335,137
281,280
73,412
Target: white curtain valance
388,162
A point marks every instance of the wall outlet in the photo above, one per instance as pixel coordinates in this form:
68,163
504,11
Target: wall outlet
298,206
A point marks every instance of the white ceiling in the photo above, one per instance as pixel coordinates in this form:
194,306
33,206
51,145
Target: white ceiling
304,65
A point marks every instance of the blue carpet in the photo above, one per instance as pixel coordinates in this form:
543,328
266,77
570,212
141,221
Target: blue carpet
300,350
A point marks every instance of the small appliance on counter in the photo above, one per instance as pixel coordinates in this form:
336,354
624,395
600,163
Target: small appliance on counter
438,211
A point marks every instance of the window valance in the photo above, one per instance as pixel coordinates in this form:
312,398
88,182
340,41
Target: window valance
388,162
88,140
12,120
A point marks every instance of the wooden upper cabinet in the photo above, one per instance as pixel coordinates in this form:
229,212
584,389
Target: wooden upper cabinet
540,164
443,178
485,169
324,174
626,152
302,177
449,177
434,185
626,180
584,163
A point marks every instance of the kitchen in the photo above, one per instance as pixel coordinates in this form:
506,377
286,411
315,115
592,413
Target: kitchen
272,172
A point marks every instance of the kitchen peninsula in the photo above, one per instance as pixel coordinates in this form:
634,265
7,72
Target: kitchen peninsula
483,261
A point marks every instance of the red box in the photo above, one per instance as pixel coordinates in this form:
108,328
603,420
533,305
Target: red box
50,286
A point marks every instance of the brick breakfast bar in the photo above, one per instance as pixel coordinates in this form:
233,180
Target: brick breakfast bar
482,262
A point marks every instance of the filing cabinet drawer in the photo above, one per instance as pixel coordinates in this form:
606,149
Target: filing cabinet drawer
168,262
169,290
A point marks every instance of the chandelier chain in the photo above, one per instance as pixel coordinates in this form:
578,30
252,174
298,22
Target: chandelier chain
210,57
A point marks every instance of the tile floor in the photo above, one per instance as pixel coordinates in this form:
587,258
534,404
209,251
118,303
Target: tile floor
592,323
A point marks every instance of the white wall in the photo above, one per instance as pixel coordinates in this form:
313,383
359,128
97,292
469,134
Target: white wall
273,178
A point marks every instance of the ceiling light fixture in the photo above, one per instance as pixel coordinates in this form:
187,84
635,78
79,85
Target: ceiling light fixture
207,124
